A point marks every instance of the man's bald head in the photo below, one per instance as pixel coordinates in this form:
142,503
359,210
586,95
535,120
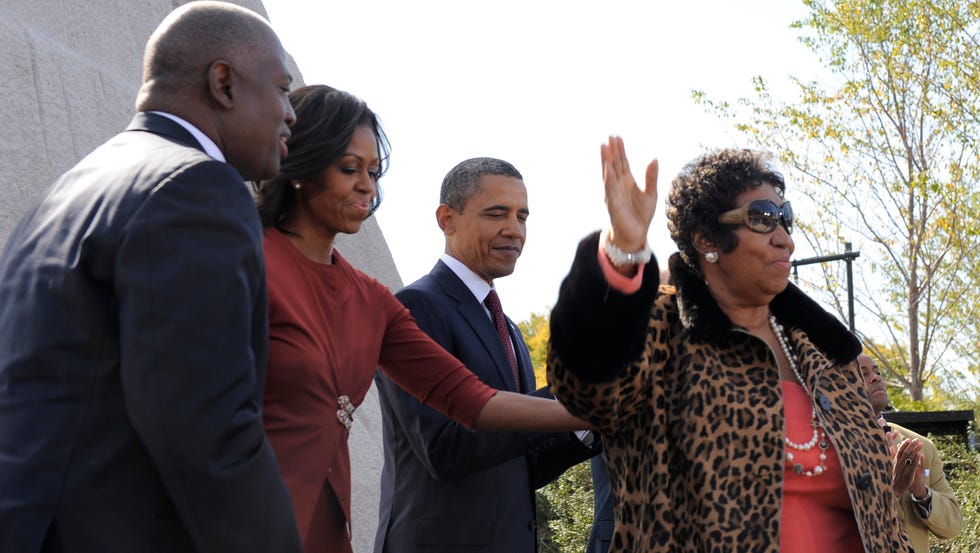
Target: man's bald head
190,39
221,68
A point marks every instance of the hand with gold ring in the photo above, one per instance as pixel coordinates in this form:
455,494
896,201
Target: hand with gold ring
908,467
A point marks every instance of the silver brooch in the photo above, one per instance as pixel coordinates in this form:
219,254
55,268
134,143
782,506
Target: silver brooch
345,414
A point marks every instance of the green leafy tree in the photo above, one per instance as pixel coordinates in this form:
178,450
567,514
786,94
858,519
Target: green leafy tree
565,511
536,334
963,472
885,151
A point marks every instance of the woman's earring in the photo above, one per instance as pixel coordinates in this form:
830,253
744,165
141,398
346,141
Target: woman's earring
297,185
711,257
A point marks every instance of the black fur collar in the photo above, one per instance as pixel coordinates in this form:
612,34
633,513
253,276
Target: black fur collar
705,321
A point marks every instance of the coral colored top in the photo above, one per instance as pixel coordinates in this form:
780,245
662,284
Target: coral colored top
817,515
330,327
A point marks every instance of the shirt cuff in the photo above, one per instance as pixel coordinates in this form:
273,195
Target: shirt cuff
585,436
924,506
616,280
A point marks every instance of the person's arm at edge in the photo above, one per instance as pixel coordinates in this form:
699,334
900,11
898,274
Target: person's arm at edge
510,411
945,516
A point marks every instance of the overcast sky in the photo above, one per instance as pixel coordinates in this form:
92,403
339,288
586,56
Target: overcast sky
540,84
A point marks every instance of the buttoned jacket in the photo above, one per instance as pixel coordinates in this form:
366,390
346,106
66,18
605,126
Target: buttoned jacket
443,487
133,343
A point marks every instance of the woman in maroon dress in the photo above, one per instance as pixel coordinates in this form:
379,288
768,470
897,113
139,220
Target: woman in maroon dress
332,325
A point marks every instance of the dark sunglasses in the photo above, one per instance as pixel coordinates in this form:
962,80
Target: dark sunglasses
760,216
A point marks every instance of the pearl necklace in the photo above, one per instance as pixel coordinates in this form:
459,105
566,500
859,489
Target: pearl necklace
777,329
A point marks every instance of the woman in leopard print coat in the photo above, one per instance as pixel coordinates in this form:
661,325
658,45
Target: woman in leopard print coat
686,382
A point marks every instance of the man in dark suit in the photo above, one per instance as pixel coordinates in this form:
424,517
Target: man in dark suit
444,488
133,316
603,521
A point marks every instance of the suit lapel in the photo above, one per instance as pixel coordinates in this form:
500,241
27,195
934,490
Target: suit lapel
473,313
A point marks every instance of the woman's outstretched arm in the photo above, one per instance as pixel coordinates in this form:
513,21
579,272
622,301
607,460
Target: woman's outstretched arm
510,411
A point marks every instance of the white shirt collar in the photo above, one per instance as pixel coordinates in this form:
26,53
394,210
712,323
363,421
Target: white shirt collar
209,146
474,282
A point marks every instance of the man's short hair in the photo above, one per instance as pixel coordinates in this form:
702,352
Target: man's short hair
463,181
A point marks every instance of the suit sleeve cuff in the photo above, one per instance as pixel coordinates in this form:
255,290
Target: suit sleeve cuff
924,505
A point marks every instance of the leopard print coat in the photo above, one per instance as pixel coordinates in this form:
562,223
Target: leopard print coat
691,415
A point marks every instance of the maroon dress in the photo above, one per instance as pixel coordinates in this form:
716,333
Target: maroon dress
330,326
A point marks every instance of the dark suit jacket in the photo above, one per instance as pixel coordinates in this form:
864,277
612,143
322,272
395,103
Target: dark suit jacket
132,356
444,488
603,520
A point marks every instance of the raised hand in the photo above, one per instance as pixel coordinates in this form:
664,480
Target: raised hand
630,209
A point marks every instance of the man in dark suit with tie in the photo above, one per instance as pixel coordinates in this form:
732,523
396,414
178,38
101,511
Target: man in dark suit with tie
444,488
133,316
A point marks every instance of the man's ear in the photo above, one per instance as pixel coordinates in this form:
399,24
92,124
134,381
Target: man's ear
221,83
446,217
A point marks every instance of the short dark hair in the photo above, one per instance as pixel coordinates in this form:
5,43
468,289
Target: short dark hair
326,119
707,187
462,182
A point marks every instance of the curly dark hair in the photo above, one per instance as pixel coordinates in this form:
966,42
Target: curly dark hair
707,187
326,119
